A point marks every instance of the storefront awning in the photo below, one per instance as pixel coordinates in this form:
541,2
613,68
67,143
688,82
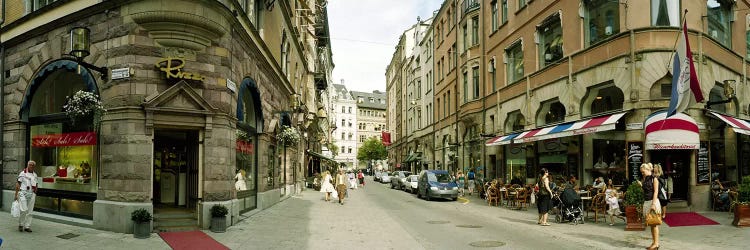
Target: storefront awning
676,132
320,156
413,157
738,125
592,125
501,140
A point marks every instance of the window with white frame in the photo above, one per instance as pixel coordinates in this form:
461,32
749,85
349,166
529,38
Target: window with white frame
602,19
665,13
514,62
550,40
720,21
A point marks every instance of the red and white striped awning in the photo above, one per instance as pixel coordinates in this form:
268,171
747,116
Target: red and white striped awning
738,125
593,125
587,126
679,131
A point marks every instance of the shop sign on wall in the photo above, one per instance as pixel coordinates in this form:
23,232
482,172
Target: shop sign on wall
172,67
64,139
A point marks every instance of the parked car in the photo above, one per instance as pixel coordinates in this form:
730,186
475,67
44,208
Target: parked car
385,177
412,183
376,177
436,184
398,179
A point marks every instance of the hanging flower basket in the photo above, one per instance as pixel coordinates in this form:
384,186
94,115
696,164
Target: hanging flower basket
289,135
242,136
83,104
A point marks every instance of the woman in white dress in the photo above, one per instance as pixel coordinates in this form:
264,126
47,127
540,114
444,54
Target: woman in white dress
327,187
240,185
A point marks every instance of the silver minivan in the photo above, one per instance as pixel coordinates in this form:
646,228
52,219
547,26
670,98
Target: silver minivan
398,179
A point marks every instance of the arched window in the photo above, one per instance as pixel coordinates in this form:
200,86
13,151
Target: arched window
64,149
515,121
249,125
551,111
601,99
717,94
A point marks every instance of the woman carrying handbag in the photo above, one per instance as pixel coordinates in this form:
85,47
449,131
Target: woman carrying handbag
651,206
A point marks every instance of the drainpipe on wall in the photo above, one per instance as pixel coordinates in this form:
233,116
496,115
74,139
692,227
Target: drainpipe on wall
2,99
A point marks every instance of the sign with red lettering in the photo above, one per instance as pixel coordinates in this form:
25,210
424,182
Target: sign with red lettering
244,147
64,139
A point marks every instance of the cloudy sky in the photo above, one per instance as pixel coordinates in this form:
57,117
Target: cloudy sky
364,34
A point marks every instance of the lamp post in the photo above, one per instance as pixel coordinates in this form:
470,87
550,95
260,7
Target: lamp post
728,93
80,44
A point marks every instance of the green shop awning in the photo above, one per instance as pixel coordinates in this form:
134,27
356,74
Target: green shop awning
413,157
320,156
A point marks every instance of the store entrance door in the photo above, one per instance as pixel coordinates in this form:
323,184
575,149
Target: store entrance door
175,182
675,163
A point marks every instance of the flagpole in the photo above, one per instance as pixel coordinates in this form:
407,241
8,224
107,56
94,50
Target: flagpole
674,47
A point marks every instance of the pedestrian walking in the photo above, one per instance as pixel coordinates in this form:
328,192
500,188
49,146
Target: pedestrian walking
461,180
26,188
352,180
663,200
651,200
341,181
361,178
326,187
544,197
471,176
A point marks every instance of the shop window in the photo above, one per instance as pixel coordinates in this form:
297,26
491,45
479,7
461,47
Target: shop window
602,19
719,16
609,160
665,13
550,39
65,151
560,157
514,54
249,116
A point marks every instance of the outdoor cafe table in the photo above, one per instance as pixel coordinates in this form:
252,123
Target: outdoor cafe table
584,199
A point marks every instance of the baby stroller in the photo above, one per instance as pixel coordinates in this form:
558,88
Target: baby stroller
567,207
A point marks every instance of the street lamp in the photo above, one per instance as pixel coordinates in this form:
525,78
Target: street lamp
728,93
80,45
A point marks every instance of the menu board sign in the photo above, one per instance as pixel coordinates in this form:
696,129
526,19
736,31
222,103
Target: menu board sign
703,169
635,159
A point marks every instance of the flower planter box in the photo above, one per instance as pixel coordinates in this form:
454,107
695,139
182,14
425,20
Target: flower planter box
634,220
219,224
142,230
741,215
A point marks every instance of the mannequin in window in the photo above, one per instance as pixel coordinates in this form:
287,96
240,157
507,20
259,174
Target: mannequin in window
240,177
600,163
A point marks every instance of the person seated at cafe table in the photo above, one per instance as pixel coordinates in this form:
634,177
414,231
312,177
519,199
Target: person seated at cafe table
598,183
722,192
572,182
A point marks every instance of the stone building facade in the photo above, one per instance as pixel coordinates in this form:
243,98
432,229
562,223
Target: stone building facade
196,102
572,86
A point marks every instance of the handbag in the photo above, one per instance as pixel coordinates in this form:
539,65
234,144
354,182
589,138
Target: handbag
15,209
653,218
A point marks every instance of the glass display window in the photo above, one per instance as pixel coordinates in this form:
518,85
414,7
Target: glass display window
609,160
65,155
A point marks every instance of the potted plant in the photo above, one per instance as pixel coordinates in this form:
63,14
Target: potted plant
219,218
742,205
633,207
141,223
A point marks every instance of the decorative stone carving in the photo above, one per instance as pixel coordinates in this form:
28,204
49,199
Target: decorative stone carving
171,28
179,105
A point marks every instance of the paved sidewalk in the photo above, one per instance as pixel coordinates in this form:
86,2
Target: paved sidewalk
303,221
722,236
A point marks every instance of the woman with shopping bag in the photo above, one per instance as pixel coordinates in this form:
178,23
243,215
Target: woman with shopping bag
25,195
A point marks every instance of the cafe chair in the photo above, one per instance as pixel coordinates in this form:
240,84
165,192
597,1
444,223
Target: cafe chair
493,195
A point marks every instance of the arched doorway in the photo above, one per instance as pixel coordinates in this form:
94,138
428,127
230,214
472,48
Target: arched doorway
70,167
249,125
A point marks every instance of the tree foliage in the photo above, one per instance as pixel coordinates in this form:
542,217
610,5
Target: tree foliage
372,149
333,147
